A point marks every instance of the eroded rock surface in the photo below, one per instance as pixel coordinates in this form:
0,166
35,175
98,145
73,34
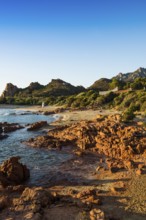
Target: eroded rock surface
12,172
37,125
107,136
9,127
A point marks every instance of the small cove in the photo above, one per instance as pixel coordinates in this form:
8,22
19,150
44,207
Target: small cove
39,161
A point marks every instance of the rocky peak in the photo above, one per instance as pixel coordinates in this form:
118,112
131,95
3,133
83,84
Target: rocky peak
58,87
130,77
58,81
141,70
10,90
34,85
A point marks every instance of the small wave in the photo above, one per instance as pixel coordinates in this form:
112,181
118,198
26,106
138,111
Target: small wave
6,113
23,113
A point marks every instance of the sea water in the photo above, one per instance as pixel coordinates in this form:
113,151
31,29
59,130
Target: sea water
40,161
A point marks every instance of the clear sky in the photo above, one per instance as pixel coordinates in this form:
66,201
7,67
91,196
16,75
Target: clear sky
78,41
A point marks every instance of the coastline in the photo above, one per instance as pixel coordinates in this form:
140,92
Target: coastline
66,116
85,183
70,116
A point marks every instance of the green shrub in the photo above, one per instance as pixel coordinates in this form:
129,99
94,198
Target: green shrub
134,107
128,115
143,106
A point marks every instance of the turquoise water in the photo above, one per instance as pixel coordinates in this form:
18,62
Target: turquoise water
40,162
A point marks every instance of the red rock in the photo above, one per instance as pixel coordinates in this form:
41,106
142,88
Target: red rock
109,137
97,214
33,199
139,171
129,164
13,172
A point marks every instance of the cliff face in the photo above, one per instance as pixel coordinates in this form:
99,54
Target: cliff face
10,90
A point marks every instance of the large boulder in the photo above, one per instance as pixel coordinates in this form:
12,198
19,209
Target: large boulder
12,172
33,199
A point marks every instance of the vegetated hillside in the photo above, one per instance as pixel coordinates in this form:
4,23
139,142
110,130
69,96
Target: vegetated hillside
123,81
132,98
108,84
58,87
28,91
130,77
89,99
102,84
59,92
127,100
36,93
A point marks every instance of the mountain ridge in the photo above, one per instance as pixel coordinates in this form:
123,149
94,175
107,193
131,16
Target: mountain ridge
131,76
55,87
58,87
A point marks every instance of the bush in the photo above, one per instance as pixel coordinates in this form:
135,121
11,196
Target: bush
134,107
128,115
143,107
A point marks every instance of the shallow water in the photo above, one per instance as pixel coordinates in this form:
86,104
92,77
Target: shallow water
40,161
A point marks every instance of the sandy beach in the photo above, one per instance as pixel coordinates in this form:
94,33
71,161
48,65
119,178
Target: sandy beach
71,116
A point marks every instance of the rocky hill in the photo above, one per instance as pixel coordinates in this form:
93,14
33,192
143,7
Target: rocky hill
130,77
119,80
56,87
63,93
101,84
10,90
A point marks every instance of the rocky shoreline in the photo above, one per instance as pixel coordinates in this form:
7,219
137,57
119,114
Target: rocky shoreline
105,179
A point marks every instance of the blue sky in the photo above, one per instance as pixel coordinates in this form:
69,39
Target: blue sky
78,41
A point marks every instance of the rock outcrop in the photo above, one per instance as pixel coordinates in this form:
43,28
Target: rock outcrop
12,172
106,136
10,90
130,77
37,125
9,127
33,199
